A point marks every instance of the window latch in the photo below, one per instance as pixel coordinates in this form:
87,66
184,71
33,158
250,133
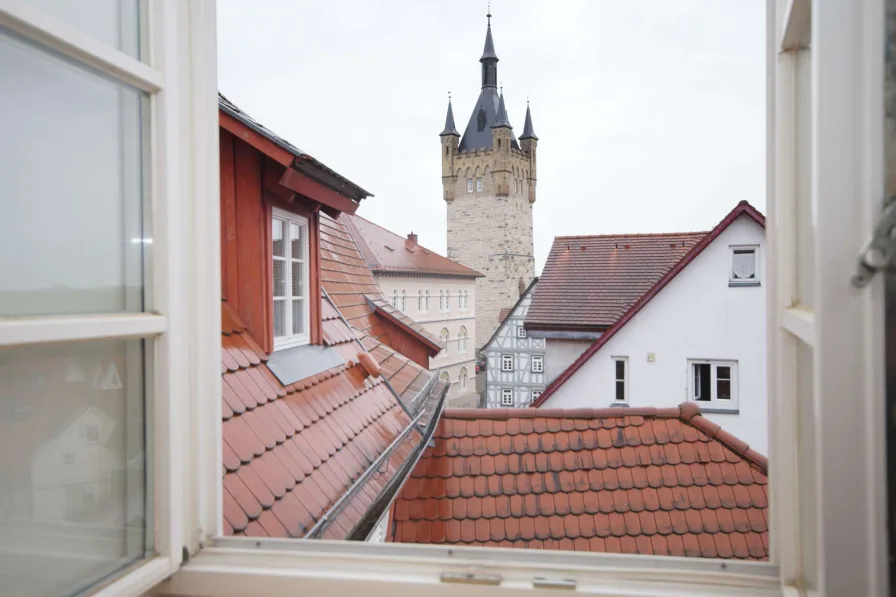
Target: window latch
878,253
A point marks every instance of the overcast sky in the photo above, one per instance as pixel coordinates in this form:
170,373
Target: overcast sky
650,113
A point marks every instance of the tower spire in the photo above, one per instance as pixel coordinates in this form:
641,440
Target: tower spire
489,59
528,130
502,119
450,129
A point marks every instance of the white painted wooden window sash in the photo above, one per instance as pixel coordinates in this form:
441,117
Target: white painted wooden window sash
469,185
617,379
288,299
736,255
182,333
537,363
520,331
506,362
728,373
479,185
506,396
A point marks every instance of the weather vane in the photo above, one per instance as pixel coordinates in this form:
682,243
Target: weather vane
489,14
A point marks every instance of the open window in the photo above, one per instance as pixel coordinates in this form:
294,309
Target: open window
713,384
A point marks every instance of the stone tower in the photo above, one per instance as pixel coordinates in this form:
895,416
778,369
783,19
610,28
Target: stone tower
488,179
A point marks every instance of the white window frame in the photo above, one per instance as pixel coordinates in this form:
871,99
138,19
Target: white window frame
185,279
479,184
537,363
520,331
469,185
291,340
506,396
714,403
625,379
505,359
426,302
732,281
462,336
447,301
536,394
420,301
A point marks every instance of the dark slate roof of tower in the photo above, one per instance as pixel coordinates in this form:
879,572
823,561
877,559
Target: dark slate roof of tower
478,134
450,129
501,120
489,50
528,131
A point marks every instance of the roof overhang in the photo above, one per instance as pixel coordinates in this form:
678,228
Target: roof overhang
564,335
379,311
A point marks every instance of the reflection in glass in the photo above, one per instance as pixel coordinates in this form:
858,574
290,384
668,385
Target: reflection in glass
116,23
73,492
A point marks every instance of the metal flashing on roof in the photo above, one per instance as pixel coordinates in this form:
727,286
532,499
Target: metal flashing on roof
294,364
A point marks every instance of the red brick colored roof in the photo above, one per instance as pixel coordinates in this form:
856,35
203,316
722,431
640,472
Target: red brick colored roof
388,252
742,209
384,308
634,480
589,282
503,313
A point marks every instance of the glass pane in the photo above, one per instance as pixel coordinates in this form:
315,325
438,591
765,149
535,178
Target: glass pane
277,245
298,316
279,275
620,390
279,318
723,389
73,470
72,232
116,23
723,372
620,370
297,238
298,279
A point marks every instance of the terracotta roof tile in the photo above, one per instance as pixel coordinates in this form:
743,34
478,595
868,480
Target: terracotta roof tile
587,480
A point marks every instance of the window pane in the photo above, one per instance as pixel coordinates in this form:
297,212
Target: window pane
277,247
297,238
298,279
279,278
620,370
723,389
723,372
116,23
620,390
279,318
743,265
73,504
298,317
72,231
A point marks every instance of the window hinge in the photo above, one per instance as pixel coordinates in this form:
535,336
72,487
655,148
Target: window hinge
878,253
469,578
568,584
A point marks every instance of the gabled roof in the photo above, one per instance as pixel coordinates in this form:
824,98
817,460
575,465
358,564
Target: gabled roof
502,317
395,316
322,456
387,252
742,209
589,282
636,481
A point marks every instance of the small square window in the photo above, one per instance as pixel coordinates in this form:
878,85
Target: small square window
506,362
714,383
478,185
520,331
469,185
537,363
744,266
506,396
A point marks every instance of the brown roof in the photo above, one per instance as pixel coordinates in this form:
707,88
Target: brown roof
638,481
388,252
588,282
383,308
503,313
743,208
291,453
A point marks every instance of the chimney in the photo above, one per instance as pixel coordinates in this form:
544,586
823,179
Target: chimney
413,238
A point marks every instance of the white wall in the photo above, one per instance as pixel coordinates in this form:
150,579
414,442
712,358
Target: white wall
697,316
453,359
560,354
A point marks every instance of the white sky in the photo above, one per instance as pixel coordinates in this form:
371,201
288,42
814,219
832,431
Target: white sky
650,113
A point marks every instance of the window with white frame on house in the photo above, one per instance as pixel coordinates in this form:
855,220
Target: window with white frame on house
404,300
462,378
289,237
744,266
537,363
536,394
469,185
395,301
462,339
506,396
620,382
441,300
426,302
714,383
420,301
520,331
443,338
447,300
479,185
506,362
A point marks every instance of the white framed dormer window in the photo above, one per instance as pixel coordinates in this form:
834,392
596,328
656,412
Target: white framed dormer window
117,307
506,362
506,396
620,377
713,384
289,236
743,266
520,331
479,185
469,185
537,363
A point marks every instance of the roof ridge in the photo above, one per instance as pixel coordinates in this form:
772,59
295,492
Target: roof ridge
631,234
691,414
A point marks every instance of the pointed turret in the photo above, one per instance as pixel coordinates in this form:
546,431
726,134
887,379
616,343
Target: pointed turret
450,129
528,130
489,59
489,51
501,118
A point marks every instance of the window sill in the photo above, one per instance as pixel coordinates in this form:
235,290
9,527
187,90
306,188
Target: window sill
719,411
620,403
284,567
745,284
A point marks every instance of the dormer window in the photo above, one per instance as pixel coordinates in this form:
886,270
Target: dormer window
289,235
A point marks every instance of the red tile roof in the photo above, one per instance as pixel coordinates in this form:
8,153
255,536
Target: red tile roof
634,480
386,251
588,282
292,452
742,209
